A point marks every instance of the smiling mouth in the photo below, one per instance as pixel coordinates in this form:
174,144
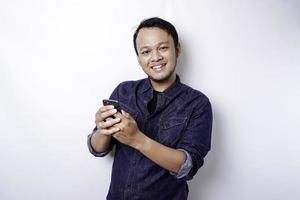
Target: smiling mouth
158,68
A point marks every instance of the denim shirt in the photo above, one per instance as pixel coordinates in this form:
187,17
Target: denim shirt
182,120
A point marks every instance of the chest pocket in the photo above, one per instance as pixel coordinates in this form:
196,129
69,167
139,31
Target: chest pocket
170,130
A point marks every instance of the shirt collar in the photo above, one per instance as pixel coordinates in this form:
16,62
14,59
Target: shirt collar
147,85
169,92
173,89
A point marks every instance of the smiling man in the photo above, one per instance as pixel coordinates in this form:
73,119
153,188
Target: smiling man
164,130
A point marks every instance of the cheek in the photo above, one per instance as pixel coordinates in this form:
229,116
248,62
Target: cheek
171,57
171,54
143,62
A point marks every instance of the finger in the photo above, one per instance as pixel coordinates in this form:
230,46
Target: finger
107,114
108,119
106,108
108,123
103,109
99,119
119,115
126,114
109,131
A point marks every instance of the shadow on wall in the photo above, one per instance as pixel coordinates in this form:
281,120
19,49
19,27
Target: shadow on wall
207,174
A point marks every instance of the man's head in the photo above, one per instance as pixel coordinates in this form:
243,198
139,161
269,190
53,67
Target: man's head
158,23
157,48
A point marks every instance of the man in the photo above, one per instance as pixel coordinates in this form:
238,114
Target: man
164,130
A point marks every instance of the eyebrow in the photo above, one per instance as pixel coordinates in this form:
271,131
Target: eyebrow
158,44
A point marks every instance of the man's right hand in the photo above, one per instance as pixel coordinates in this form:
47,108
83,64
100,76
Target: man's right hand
100,139
105,122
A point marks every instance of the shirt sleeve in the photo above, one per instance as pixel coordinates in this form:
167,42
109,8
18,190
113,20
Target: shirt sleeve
185,167
92,150
197,138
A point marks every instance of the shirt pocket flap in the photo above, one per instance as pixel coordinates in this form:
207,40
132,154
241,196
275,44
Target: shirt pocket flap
174,121
171,130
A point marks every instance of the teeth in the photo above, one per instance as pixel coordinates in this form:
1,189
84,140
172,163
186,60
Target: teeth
157,67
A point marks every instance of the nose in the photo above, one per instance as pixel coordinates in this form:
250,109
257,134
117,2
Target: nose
156,56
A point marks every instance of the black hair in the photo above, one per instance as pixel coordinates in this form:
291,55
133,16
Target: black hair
158,23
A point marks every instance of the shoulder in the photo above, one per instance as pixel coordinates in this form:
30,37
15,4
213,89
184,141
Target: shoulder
130,84
198,106
130,87
198,97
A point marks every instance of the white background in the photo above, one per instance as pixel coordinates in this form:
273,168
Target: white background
60,58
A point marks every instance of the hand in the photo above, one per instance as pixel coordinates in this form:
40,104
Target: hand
105,122
129,132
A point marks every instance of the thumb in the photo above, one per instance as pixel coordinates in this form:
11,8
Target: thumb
126,114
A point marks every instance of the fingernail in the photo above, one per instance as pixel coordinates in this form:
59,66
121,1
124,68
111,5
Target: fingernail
118,119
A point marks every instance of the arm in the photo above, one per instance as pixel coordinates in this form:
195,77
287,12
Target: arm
197,138
166,157
100,142
98,153
100,139
129,134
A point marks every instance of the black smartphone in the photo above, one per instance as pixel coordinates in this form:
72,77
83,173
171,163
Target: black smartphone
115,103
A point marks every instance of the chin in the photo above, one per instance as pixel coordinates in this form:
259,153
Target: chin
161,79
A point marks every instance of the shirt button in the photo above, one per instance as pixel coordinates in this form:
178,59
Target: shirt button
128,184
134,163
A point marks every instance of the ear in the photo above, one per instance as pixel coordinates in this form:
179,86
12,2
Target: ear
178,50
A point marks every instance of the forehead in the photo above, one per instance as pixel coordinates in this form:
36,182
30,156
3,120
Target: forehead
152,36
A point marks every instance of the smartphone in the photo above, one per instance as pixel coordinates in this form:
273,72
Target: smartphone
115,103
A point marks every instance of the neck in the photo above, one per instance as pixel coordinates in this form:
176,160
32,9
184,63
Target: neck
162,86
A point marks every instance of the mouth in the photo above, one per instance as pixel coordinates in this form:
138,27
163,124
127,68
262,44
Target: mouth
158,68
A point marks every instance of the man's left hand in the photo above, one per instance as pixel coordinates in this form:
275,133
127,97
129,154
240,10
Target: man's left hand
129,133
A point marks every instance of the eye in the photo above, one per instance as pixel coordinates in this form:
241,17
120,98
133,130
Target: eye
145,52
164,48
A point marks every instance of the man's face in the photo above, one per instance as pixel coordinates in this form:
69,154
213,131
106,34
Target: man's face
157,54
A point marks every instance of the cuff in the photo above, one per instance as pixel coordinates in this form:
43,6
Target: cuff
186,166
92,150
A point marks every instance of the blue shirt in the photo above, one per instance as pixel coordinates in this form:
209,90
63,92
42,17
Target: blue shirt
182,120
